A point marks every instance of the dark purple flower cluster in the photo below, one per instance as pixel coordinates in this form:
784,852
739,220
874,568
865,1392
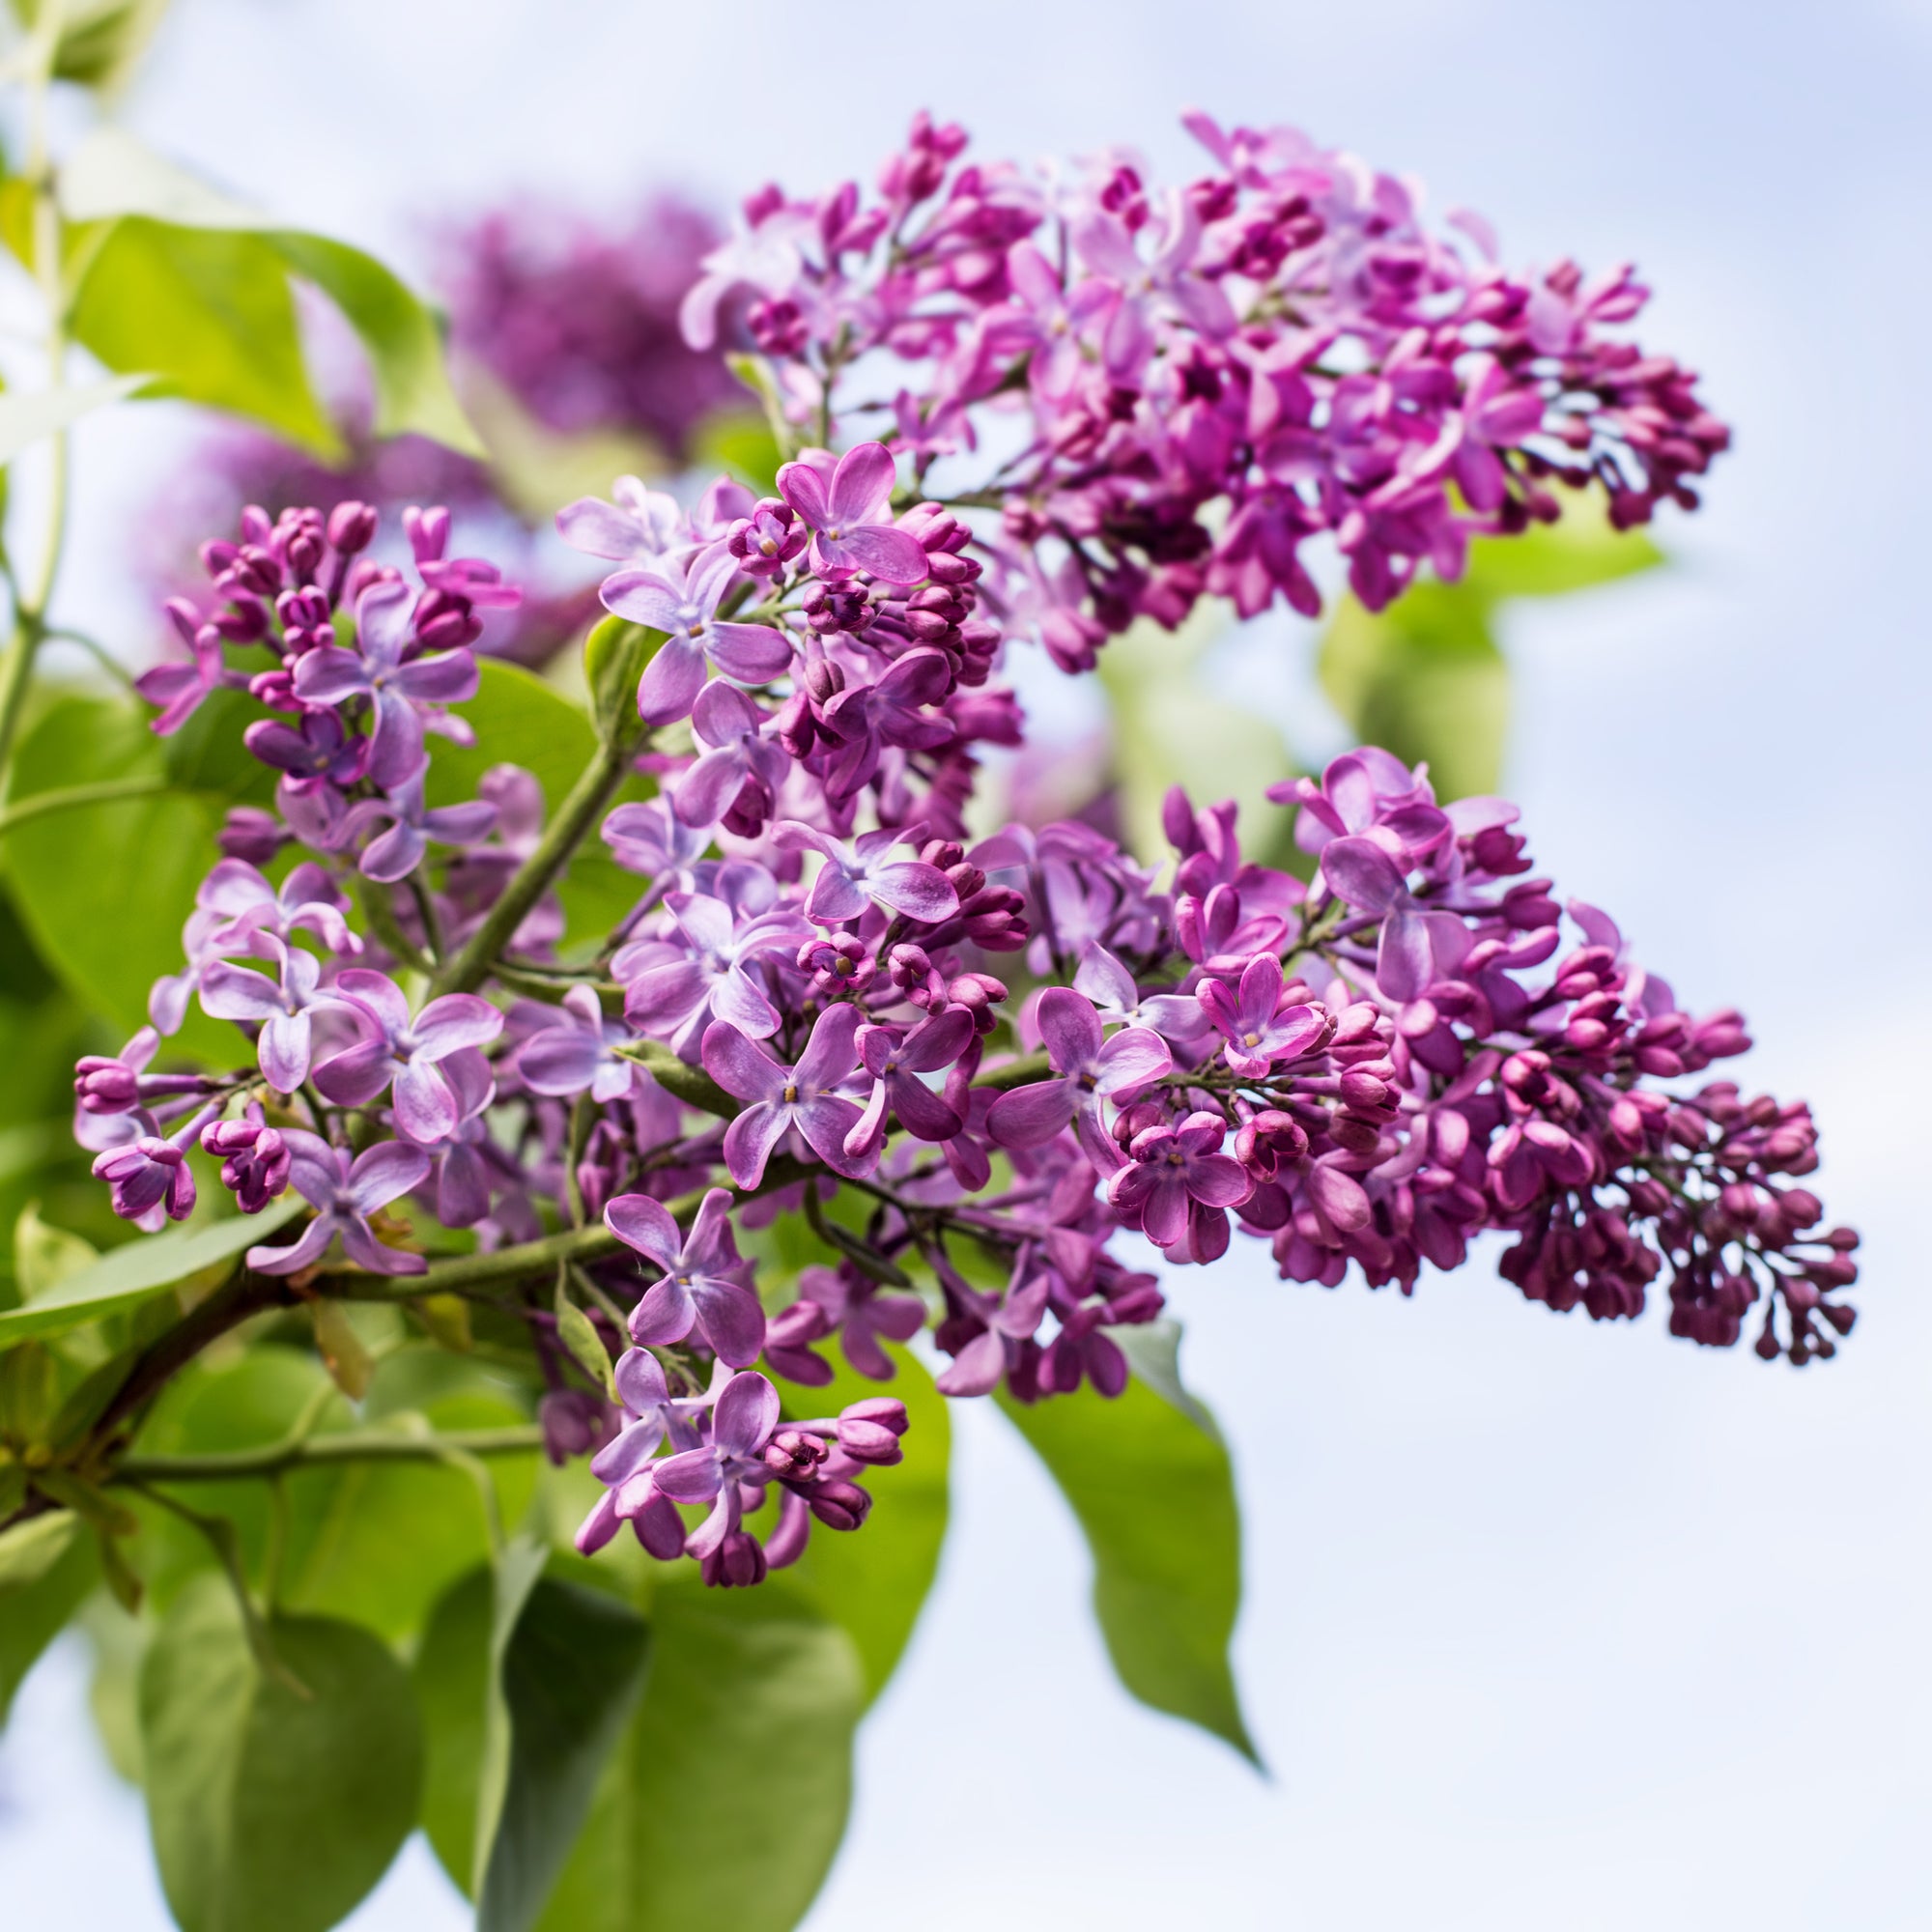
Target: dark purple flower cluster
989,1077
1175,390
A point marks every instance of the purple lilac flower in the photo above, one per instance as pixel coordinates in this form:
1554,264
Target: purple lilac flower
730,728
895,1060
1088,1071
395,853
844,500
672,986
282,1008
574,1054
395,686
705,1284
682,601
1259,1022
1178,1179
255,1157
179,688
779,1098
406,1051
852,877
345,1193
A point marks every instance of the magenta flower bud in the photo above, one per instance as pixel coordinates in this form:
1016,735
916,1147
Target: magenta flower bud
839,1505
255,1159
979,993
737,1563
793,1455
869,1430
823,680
250,834
907,965
351,528
794,727
105,1086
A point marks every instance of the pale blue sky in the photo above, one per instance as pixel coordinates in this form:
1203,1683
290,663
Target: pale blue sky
1547,1626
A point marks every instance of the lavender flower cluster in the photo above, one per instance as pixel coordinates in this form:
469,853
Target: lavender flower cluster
1011,1055
1175,390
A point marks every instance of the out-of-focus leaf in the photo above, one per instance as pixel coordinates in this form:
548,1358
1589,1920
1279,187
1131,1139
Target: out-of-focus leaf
25,416
33,1615
112,177
207,313
519,720
740,442
538,468
748,1714
874,1582
1170,728
451,1673
96,43
46,1255
120,1641
570,1678
131,1274
1155,1494
29,1549
104,890
274,1808
1425,679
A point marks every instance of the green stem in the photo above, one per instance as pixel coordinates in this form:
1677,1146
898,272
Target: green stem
106,792
30,613
360,1445
588,797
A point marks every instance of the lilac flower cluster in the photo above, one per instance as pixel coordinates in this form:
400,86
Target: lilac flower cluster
1170,391
988,1077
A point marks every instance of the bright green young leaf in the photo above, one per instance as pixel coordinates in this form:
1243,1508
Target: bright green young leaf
144,1267
570,1677
208,314
25,416
97,43
874,1583
46,1255
29,1549
748,1714
401,335
273,1810
1425,679
1155,1494
34,1614
111,175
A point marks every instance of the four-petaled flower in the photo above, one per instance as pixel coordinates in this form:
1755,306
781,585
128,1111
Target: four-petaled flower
854,877
705,1284
577,1053
1088,1071
396,686
1259,1026
280,1007
1179,1179
846,503
407,1051
345,1193
682,600
777,1097
895,1064
715,1472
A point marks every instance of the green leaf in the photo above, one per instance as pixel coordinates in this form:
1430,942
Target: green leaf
25,418
1155,1494
46,1255
451,1674
29,1549
727,1796
104,889
570,1674
273,1810
874,1581
112,177
616,655
208,314
1425,679
33,1615
127,1275
401,335
578,1333
1170,728
97,43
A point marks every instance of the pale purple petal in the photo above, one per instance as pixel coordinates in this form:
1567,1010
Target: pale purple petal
671,682
645,1223
388,1170
425,1105
1029,1117
733,1321
666,1314
745,1072
1361,871
750,1139
919,891
1069,1028
1132,1058
748,652
746,1413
